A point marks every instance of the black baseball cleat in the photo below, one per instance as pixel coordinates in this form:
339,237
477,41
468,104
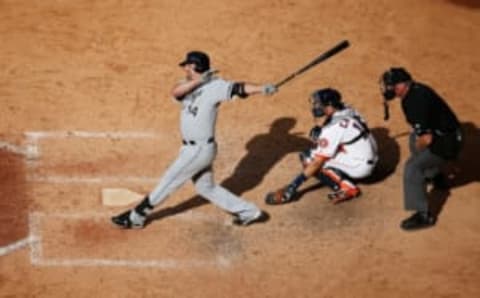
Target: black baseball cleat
419,220
259,216
123,221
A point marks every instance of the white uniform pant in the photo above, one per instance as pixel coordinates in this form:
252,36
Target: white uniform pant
354,167
195,162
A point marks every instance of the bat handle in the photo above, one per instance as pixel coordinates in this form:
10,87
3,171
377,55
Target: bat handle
290,77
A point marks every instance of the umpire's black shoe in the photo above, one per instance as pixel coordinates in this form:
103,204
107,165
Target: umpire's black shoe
123,221
418,220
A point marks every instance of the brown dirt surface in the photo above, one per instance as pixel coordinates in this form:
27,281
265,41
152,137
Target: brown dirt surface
108,66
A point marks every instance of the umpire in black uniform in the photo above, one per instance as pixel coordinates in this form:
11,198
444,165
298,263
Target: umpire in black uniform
436,138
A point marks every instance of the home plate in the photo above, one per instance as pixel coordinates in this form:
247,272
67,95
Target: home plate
120,197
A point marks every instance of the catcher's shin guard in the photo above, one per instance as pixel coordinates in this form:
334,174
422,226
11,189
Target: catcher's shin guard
343,188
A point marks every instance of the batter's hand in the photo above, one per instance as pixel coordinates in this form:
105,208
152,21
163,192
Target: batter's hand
269,89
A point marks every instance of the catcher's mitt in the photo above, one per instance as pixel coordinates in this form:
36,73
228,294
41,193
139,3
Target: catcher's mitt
281,196
315,133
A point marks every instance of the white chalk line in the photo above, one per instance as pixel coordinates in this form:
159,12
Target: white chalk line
36,135
90,180
30,151
5,250
189,215
158,264
37,258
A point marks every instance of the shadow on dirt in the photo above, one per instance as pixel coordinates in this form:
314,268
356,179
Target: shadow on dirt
263,152
388,153
462,171
475,4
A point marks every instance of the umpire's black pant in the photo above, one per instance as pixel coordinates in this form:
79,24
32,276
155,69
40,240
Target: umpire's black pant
421,165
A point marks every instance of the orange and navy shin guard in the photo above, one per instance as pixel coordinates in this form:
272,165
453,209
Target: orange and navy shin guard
343,188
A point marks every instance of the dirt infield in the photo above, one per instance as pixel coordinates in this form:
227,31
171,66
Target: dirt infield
85,104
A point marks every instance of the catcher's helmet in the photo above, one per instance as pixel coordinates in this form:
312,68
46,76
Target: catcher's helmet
199,59
325,97
392,77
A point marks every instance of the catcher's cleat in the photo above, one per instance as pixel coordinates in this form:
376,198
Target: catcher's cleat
259,216
124,221
344,195
281,196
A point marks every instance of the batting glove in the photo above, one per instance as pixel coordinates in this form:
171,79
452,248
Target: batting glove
269,89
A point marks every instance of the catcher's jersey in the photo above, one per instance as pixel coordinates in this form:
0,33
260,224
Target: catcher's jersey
346,134
200,108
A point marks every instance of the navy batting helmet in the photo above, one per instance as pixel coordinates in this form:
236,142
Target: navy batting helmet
199,59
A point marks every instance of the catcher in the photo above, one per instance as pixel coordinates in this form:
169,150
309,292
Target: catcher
344,150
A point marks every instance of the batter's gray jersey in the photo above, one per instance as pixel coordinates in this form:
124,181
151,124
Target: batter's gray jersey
197,123
200,108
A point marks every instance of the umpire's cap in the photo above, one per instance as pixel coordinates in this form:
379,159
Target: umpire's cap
200,59
396,75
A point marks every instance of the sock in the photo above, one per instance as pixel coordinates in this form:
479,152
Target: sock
144,208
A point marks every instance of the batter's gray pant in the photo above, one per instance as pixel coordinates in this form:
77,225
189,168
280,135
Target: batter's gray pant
195,162
421,165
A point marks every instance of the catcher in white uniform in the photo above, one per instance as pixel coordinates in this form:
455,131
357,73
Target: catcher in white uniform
345,150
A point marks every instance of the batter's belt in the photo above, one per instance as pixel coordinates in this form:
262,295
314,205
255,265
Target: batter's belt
193,143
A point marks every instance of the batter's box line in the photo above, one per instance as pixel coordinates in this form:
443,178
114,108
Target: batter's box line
7,249
37,258
36,135
30,151
89,180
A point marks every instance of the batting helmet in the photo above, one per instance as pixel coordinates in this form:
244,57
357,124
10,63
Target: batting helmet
199,59
325,97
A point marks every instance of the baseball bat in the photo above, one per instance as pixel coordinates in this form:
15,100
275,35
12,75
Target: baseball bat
324,56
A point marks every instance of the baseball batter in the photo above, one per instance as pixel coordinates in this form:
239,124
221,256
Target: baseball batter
200,95
345,150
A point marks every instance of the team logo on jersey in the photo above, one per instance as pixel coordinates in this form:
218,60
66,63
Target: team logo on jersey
192,109
323,142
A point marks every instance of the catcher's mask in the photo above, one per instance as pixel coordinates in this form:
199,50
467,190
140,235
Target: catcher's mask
199,59
390,78
323,98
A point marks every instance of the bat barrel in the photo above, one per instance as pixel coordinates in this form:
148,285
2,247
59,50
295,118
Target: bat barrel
324,56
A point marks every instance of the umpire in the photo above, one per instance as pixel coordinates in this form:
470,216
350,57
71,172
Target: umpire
436,138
